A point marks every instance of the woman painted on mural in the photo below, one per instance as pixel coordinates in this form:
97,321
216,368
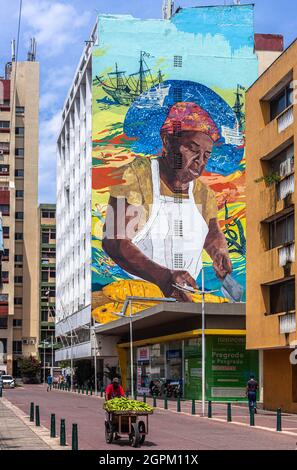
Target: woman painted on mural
178,216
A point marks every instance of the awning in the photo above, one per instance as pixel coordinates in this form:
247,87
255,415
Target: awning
170,318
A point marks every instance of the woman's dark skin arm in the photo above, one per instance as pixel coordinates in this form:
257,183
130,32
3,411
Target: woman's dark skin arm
216,247
117,243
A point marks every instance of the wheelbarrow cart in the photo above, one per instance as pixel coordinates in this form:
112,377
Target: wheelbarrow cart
134,424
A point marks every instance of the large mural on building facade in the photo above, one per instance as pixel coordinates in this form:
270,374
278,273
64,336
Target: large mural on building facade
168,174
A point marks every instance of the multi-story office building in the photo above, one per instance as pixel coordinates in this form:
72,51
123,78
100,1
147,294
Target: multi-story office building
19,115
139,86
47,285
271,228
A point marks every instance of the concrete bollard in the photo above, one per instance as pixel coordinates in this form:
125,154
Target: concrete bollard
252,417
74,437
229,415
193,407
53,425
32,412
209,411
165,402
178,404
62,433
37,416
144,398
279,420
154,401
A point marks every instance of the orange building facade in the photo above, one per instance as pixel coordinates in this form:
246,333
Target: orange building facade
271,228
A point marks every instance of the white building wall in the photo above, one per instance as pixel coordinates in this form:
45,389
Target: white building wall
74,192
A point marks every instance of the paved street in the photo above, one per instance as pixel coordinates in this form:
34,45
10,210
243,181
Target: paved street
168,429
15,435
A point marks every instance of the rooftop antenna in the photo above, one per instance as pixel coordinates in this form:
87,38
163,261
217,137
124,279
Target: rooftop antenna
167,9
32,50
13,50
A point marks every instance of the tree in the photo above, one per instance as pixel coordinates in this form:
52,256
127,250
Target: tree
30,369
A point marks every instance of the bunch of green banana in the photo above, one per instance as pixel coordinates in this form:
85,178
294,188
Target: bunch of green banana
124,404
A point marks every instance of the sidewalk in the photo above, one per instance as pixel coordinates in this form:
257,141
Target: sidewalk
16,435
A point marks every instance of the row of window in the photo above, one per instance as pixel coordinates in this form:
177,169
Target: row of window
48,214
17,258
19,151
6,125
48,234
5,278
4,208
17,235
18,109
4,171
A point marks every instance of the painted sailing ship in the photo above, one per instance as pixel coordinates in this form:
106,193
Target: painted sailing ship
235,136
124,90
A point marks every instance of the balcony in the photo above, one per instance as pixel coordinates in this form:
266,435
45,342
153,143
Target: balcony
287,323
285,119
286,254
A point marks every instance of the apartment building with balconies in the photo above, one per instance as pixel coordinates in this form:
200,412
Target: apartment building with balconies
19,116
271,228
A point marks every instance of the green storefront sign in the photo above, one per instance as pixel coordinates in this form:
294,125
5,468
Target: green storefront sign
228,367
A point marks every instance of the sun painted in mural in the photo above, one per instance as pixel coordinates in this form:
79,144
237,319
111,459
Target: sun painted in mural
168,186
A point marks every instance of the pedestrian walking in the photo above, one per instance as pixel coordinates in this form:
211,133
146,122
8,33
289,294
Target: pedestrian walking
251,392
49,382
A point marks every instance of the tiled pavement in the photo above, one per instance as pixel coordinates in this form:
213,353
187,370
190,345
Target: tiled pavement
15,434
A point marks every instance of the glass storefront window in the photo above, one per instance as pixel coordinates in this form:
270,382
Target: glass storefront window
174,362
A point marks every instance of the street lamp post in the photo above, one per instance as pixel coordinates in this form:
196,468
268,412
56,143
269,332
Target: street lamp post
131,349
44,341
203,343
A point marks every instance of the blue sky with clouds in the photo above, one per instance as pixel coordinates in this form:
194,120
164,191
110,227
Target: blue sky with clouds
61,26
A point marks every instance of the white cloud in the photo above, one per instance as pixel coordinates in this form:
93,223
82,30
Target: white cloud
54,24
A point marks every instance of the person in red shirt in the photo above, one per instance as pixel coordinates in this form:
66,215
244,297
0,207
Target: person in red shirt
114,390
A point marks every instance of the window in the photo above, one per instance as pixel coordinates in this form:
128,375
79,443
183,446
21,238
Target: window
5,256
4,124
282,297
19,173
281,231
4,170
19,236
3,324
5,232
18,301
18,258
19,193
19,110
18,279
178,228
4,147
17,347
19,152
178,261
5,277
19,215
177,61
178,94
4,208
20,131
17,322
48,214
45,236
282,101
3,345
